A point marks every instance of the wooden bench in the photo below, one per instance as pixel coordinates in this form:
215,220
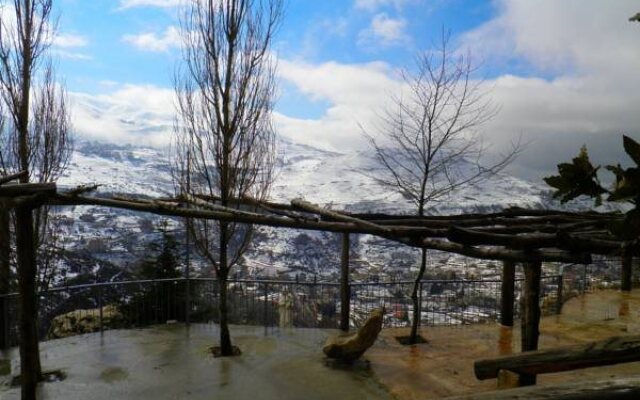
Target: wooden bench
615,350
606,389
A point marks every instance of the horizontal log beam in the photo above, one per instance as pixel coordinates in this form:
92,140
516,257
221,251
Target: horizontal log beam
527,241
27,189
13,177
178,210
505,254
574,242
621,388
312,208
615,350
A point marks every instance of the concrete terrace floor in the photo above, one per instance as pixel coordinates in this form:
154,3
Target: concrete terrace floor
444,366
173,362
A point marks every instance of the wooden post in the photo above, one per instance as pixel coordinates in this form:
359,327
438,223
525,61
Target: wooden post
507,293
5,272
530,316
625,285
560,294
345,295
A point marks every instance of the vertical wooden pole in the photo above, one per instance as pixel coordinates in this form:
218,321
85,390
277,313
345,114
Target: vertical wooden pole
530,316
625,285
345,292
507,293
187,272
5,272
560,294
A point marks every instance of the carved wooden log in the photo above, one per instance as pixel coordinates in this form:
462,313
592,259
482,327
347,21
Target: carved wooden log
615,350
621,388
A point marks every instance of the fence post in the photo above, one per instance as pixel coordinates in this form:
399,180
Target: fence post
4,323
507,295
100,308
420,304
264,311
625,285
559,301
345,292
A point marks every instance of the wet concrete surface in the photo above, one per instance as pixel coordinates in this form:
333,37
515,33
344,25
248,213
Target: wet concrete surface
444,365
174,362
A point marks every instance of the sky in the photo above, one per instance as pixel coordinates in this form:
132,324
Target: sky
562,73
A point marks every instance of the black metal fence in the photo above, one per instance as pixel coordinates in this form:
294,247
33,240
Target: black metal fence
95,307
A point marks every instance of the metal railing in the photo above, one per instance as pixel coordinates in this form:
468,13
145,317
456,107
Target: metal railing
69,310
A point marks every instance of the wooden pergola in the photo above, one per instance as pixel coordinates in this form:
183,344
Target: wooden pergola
515,235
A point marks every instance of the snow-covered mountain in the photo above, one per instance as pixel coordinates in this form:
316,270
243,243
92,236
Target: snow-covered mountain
340,180
114,240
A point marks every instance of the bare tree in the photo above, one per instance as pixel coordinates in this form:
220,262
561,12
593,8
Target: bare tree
429,145
35,140
225,140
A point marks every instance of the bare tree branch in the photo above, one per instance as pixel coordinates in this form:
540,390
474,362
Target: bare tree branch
225,141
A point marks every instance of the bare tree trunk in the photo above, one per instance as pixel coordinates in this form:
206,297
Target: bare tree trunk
5,270
30,369
413,337
226,349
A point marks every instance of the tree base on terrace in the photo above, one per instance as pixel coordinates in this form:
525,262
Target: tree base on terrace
47,376
217,351
406,340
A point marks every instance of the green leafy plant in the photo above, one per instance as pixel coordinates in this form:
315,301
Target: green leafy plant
580,177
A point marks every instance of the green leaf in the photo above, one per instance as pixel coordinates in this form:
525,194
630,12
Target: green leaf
627,186
576,178
632,148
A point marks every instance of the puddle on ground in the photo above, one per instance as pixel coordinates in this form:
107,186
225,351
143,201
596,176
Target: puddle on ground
113,374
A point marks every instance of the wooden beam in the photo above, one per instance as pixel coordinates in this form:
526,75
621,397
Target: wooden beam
309,207
345,295
493,253
27,189
627,388
615,350
13,177
470,237
571,241
507,296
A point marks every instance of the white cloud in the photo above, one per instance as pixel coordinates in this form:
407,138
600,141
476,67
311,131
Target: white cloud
373,5
356,94
124,4
384,31
591,50
136,114
154,42
69,40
